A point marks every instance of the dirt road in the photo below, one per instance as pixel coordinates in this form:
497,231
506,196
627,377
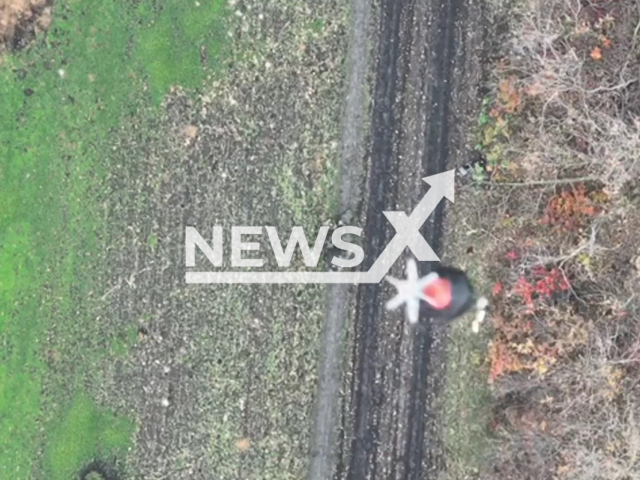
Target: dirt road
426,72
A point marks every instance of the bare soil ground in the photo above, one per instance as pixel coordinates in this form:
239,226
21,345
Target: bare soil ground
21,20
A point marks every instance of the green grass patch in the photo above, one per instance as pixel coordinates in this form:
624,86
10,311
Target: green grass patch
61,104
123,341
85,431
317,25
467,398
467,402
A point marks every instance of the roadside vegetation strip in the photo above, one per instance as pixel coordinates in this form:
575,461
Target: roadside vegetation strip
325,434
60,100
560,256
365,393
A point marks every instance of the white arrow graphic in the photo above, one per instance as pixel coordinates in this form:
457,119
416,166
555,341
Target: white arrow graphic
408,228
407,235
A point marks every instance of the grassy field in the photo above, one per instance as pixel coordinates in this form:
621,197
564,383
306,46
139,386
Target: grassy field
61,101
108,122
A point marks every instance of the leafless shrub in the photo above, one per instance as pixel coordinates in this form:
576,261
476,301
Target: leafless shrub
575,120
597,414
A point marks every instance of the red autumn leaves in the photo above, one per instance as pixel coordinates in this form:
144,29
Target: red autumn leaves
542,283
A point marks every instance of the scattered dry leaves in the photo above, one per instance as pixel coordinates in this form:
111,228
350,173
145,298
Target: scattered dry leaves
570,209
508,95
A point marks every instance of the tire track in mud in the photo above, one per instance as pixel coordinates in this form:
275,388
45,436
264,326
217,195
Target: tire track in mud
434,160
365,392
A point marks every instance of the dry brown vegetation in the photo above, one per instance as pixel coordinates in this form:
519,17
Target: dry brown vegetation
557,236
571,81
